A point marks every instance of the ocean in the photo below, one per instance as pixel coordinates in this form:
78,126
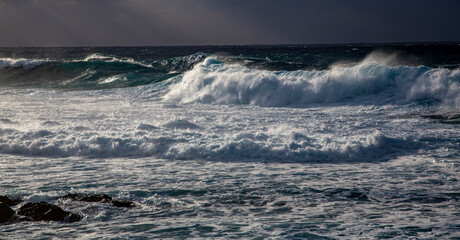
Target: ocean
357,141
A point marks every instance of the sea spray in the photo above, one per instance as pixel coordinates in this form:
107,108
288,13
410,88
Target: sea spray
213,81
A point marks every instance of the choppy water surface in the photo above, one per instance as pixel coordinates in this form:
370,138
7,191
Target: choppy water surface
295,142
198,199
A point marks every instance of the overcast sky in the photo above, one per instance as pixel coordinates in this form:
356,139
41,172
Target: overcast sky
209,22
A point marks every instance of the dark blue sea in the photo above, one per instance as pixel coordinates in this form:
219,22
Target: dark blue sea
358,141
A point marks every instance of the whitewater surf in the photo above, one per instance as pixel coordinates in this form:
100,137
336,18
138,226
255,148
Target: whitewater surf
320,141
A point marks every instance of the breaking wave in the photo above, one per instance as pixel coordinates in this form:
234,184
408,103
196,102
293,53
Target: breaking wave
264,147
213,81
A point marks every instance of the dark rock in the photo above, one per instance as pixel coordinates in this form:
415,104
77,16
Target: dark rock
24,219
44,211
89,198
103,198
7,201
435,116
6,213
449,118
96,198
71,196
127,204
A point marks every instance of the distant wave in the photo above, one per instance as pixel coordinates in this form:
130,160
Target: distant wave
213,81
177,63
20,62
101,58
30,63
94,71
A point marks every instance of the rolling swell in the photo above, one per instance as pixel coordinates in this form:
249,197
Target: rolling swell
216,82
244,75
95,71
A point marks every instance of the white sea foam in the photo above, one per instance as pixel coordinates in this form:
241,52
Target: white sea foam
437,84
289,146
216,82
399,160
120,123
113,79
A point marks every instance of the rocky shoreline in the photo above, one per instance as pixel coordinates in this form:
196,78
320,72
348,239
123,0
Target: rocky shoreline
44,211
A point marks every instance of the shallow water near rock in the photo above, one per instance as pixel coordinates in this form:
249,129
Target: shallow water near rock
200,199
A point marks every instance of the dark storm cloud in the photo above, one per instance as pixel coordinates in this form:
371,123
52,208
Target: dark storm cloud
190,22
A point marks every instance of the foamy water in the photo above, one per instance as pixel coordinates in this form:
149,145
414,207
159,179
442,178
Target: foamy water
367,149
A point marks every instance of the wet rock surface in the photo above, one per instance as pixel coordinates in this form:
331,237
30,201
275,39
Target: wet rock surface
44,211
88,198
118,203
103,198
6,213
9,202
451,118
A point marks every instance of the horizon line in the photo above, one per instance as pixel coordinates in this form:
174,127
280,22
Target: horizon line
236,45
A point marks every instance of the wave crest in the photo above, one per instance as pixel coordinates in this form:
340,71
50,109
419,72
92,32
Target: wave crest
101,58
439,85
216,82
20,62
271,146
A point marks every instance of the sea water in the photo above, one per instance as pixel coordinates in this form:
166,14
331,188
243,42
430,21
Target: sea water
243,142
